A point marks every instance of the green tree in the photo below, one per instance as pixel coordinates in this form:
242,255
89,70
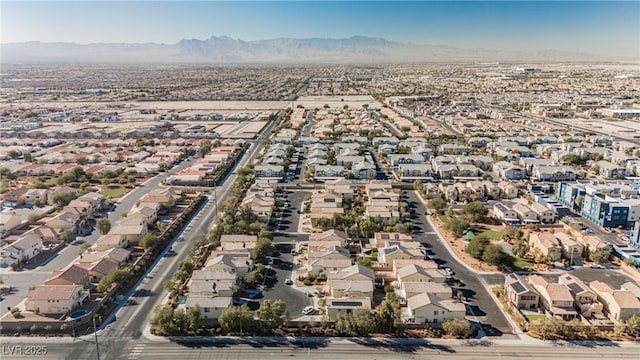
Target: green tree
457,226
63,199
477,246
149,240
438,204
103,225
271,313
81,160
494,255
596,256
475,211
578,202
66,235
264,247
117,276
204,149
459,328
236,319
193,318
520,248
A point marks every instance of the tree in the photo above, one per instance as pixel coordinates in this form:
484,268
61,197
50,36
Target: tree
204,149
104,226
494,255
149,241
459,328
596,256
520,248
477,245
578,202
271,313
63,199
236,319
81,160
117,276
264,247
457,226
437,204
475,211
632,326
66,235
193,318
512,233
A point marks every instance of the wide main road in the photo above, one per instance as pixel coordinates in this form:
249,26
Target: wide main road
322,348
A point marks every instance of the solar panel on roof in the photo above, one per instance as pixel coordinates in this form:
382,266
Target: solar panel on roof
518,287
575,288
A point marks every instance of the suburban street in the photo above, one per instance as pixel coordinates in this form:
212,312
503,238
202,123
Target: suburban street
481,303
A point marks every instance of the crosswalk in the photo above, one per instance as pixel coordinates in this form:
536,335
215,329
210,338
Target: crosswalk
137,350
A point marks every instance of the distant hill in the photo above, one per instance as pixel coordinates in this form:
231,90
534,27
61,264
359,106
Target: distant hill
223,49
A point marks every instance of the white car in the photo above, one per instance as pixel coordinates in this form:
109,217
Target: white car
448,271
308,310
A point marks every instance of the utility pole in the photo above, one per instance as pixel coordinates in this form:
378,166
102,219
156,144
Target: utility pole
95,332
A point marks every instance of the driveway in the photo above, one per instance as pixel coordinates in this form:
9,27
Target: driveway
480,302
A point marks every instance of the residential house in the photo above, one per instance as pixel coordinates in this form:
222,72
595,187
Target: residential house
545,215
238,242
556,299
21,250
269,172
428,308
525,213
504,213
595,244
520,293
131,233
364,170
547,244
619,305
336,306
328,238
399,251
507,190
415,171
355,281
98,269
55,299
110,241
210,307
9,221
418,273
585,299
571,249
72,275
333,258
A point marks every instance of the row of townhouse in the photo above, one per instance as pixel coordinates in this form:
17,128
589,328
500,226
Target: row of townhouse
516,213
402,263
570,245
74,217
608,204
571,298
213,287
260,198
68,288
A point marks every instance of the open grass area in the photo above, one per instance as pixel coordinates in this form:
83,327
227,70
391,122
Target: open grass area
521,264
114,193
535,317
491,234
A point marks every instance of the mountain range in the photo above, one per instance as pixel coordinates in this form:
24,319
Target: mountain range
224,49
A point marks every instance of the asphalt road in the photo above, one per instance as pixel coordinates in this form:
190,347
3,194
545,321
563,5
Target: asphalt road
275,287
478,298
317,348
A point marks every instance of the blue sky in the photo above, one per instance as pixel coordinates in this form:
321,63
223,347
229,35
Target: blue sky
586,26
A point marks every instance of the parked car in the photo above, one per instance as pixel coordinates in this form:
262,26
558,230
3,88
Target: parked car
308,310
288,282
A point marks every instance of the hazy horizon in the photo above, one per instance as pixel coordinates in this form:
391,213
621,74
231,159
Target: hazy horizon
599,28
